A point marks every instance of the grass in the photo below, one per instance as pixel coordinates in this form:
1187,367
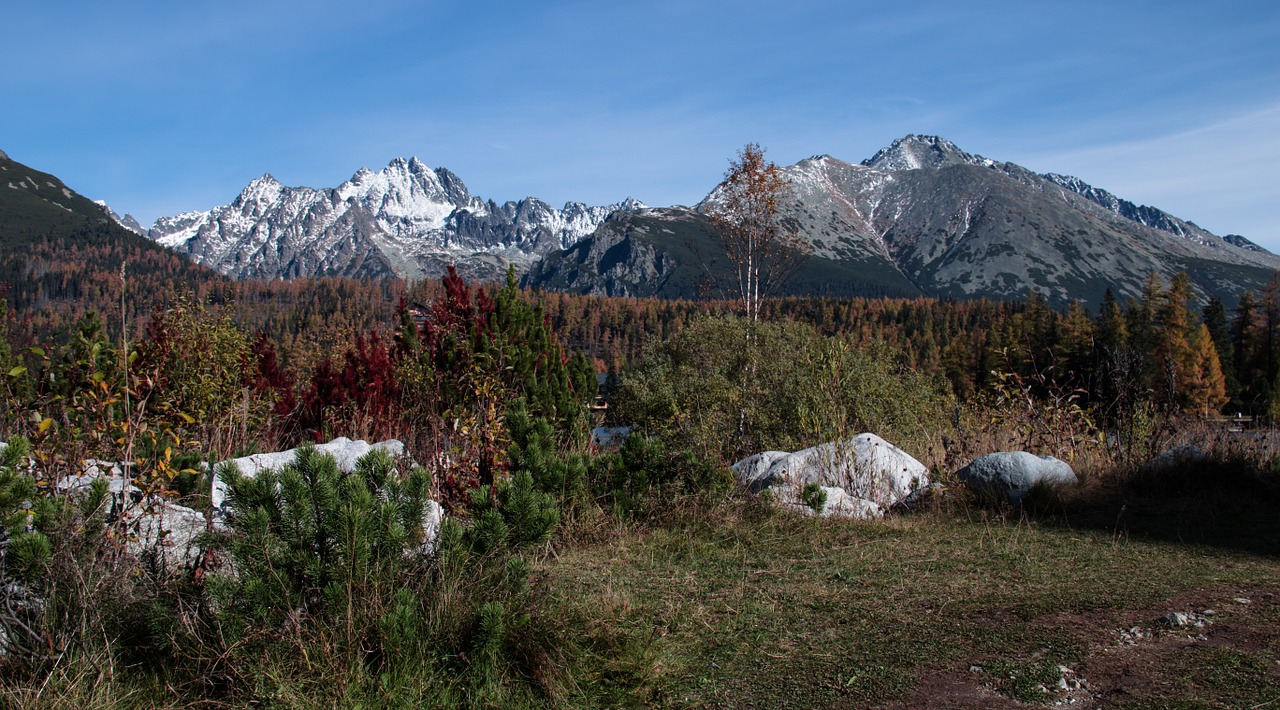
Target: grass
730,604
723,601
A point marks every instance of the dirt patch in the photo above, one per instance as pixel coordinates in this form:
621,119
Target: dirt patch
955,690
1218,646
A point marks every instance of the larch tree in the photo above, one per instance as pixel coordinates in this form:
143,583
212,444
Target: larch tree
1206,389
746,212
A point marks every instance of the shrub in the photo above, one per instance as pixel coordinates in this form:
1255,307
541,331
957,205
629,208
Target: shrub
724,388
333,585
644,471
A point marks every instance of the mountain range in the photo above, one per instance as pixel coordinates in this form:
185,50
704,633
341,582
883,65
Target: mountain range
406,220
923,217
920,217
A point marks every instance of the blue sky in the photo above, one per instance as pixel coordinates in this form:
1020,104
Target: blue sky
160,108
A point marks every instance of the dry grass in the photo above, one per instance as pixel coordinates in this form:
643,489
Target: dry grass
732,605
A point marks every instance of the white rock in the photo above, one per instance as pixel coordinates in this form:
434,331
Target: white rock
154,524
865,467
753,471
1013,474
838,503
171,530
345,451
431,526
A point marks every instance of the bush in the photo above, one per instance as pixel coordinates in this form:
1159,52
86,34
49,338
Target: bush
644,472
724,388
335,596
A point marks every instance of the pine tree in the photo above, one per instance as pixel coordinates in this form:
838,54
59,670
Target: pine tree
1243,360
1074,350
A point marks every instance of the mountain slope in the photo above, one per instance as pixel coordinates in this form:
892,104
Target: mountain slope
61,254
406,220
924,215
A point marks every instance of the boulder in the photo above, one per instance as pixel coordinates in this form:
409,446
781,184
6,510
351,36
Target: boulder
865,467
838,503
1177,457
1012,474
168,530
753,472
158,526
345,451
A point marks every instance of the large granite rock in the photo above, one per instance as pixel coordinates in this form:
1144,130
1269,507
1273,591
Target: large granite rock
1012,474
870,474
345,451
865,467
157,526
837,503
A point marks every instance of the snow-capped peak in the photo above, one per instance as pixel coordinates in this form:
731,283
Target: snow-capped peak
128,221
406,219
261,190
913,152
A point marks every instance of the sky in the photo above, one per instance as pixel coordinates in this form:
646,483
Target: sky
167,107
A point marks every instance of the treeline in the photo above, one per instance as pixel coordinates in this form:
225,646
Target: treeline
57,282
50,282
1156,347
1153,347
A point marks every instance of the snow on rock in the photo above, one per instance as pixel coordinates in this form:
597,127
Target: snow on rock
406,220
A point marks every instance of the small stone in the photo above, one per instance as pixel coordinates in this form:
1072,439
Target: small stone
1242,600
1062,684
1209,612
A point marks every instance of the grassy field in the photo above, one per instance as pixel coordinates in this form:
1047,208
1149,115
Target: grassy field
730,604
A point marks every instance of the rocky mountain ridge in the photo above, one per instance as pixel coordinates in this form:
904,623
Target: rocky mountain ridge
923,217
406,220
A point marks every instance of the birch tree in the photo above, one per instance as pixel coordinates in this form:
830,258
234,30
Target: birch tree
746,212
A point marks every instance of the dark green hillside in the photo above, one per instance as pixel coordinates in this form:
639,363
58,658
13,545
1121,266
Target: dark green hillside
60,256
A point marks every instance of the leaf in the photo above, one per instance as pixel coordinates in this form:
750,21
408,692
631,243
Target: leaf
39,352
45,424
187,418
18,371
